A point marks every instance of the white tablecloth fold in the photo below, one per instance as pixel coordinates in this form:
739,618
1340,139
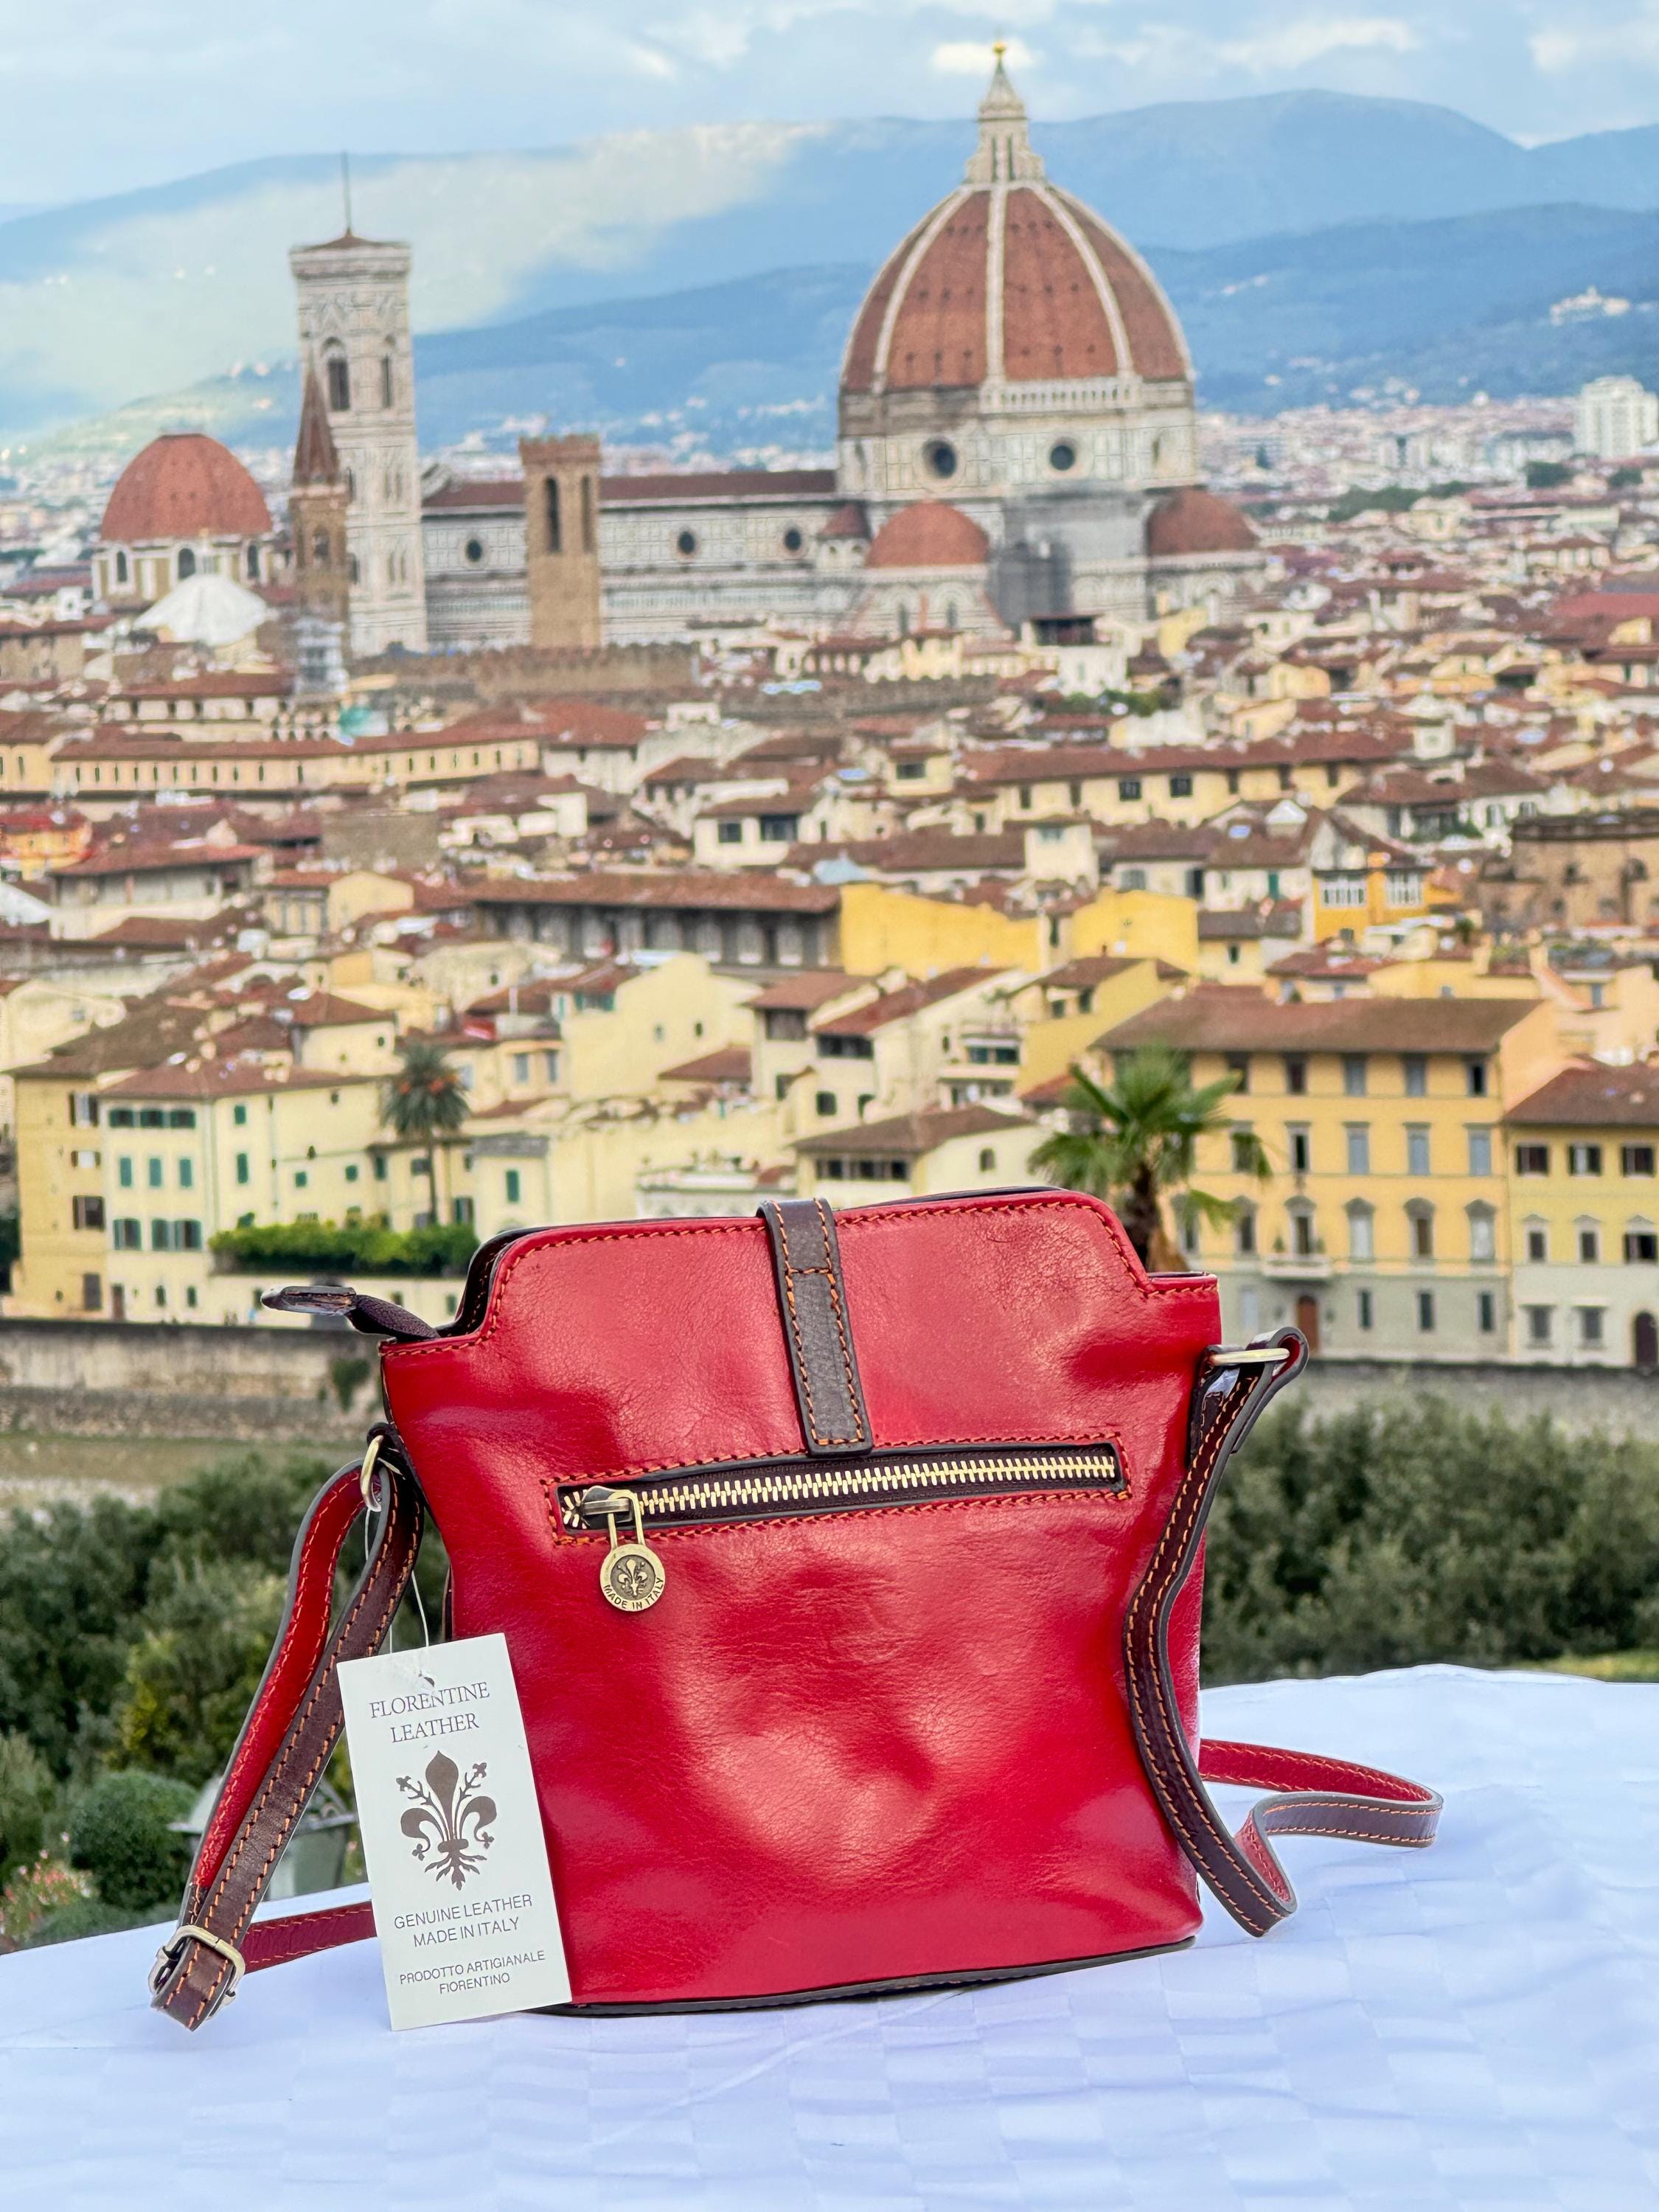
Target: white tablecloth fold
1473,2025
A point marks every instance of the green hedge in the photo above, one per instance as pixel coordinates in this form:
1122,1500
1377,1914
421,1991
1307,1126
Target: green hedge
122,1833
1395,1534
363,1248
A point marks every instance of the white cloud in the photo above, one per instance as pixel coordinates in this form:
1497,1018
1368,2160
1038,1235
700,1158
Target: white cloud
1557,49
1311,37
971,57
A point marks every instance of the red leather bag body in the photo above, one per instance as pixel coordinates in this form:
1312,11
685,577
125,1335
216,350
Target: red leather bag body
913,1698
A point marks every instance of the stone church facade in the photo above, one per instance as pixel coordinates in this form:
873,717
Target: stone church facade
1017,446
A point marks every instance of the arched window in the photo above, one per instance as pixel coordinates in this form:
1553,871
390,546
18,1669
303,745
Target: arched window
186,562
253,564
319,551
903,620
337,371
1362,1231
388,384
1420,1228
354,568
120,568
351,483
1244,1229
1483,1231
1304,1240
950,614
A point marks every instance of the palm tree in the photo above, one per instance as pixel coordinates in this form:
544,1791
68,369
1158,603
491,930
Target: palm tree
1131,1138
424,1101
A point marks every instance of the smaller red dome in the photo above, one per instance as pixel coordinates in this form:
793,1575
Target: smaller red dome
1195,521
184,485
929,535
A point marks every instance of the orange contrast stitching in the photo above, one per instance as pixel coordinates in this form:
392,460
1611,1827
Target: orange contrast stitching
861,1434
272,1779
1193,1489
567,1239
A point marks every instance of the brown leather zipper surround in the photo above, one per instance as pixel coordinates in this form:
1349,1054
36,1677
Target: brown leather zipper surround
786,1489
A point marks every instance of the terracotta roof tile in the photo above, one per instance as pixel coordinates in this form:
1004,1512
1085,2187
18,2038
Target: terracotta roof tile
184,485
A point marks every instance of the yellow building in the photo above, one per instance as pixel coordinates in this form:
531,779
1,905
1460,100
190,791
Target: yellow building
1384,1229
917,1155
622,1024
1062,1012
1583,1224
203,1145
951,1040
883,930
37,1014
34,839
61,1156
28,741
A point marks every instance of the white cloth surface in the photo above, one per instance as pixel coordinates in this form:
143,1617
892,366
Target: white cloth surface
1475,2025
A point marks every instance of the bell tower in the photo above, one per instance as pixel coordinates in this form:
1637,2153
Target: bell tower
318,513
561,539
354,342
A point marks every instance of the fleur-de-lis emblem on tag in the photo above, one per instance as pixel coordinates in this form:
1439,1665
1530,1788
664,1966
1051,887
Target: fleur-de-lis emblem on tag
450,1820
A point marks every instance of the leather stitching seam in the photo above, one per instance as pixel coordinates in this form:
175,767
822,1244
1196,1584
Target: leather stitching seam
860,1434
1179,1287
1123,1496
803,1369
291,1743
1193,1489
201,1879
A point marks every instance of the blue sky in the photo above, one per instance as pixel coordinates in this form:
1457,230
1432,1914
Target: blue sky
112,94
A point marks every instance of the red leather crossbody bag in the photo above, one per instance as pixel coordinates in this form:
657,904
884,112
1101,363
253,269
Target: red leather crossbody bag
900,1687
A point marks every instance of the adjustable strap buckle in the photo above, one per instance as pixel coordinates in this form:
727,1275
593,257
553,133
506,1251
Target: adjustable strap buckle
167,1958
1248,1355
366,1481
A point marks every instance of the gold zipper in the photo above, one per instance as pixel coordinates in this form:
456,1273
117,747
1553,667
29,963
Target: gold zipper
781,1488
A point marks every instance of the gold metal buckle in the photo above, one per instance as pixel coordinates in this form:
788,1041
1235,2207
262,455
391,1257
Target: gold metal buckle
1248,1355
190,1931
366,1473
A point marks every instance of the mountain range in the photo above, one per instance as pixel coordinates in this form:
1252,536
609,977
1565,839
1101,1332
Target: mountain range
700,281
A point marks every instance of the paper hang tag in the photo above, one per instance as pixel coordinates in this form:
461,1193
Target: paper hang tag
452,1832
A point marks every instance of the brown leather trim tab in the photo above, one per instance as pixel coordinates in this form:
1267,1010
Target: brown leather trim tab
812,1297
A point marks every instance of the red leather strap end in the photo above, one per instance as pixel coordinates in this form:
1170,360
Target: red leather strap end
274,1942
293,1660
1264,1766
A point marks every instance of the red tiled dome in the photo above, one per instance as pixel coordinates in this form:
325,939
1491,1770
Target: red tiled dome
184,485
1075,302
1193,521
929,535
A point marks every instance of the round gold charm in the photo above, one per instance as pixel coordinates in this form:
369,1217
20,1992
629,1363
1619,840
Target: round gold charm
632,1578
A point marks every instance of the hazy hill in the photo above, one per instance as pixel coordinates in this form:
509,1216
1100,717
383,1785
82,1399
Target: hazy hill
153,291
1450,307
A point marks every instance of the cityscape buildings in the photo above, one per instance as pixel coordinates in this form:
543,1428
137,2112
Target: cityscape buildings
727,832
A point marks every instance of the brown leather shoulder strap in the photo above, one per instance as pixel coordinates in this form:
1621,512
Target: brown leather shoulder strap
1313,1795
812,1297
291,1730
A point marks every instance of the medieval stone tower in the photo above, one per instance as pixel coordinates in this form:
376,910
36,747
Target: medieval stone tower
354,340
319,514
561,539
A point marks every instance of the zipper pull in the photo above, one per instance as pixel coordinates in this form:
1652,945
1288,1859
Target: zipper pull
632,1577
